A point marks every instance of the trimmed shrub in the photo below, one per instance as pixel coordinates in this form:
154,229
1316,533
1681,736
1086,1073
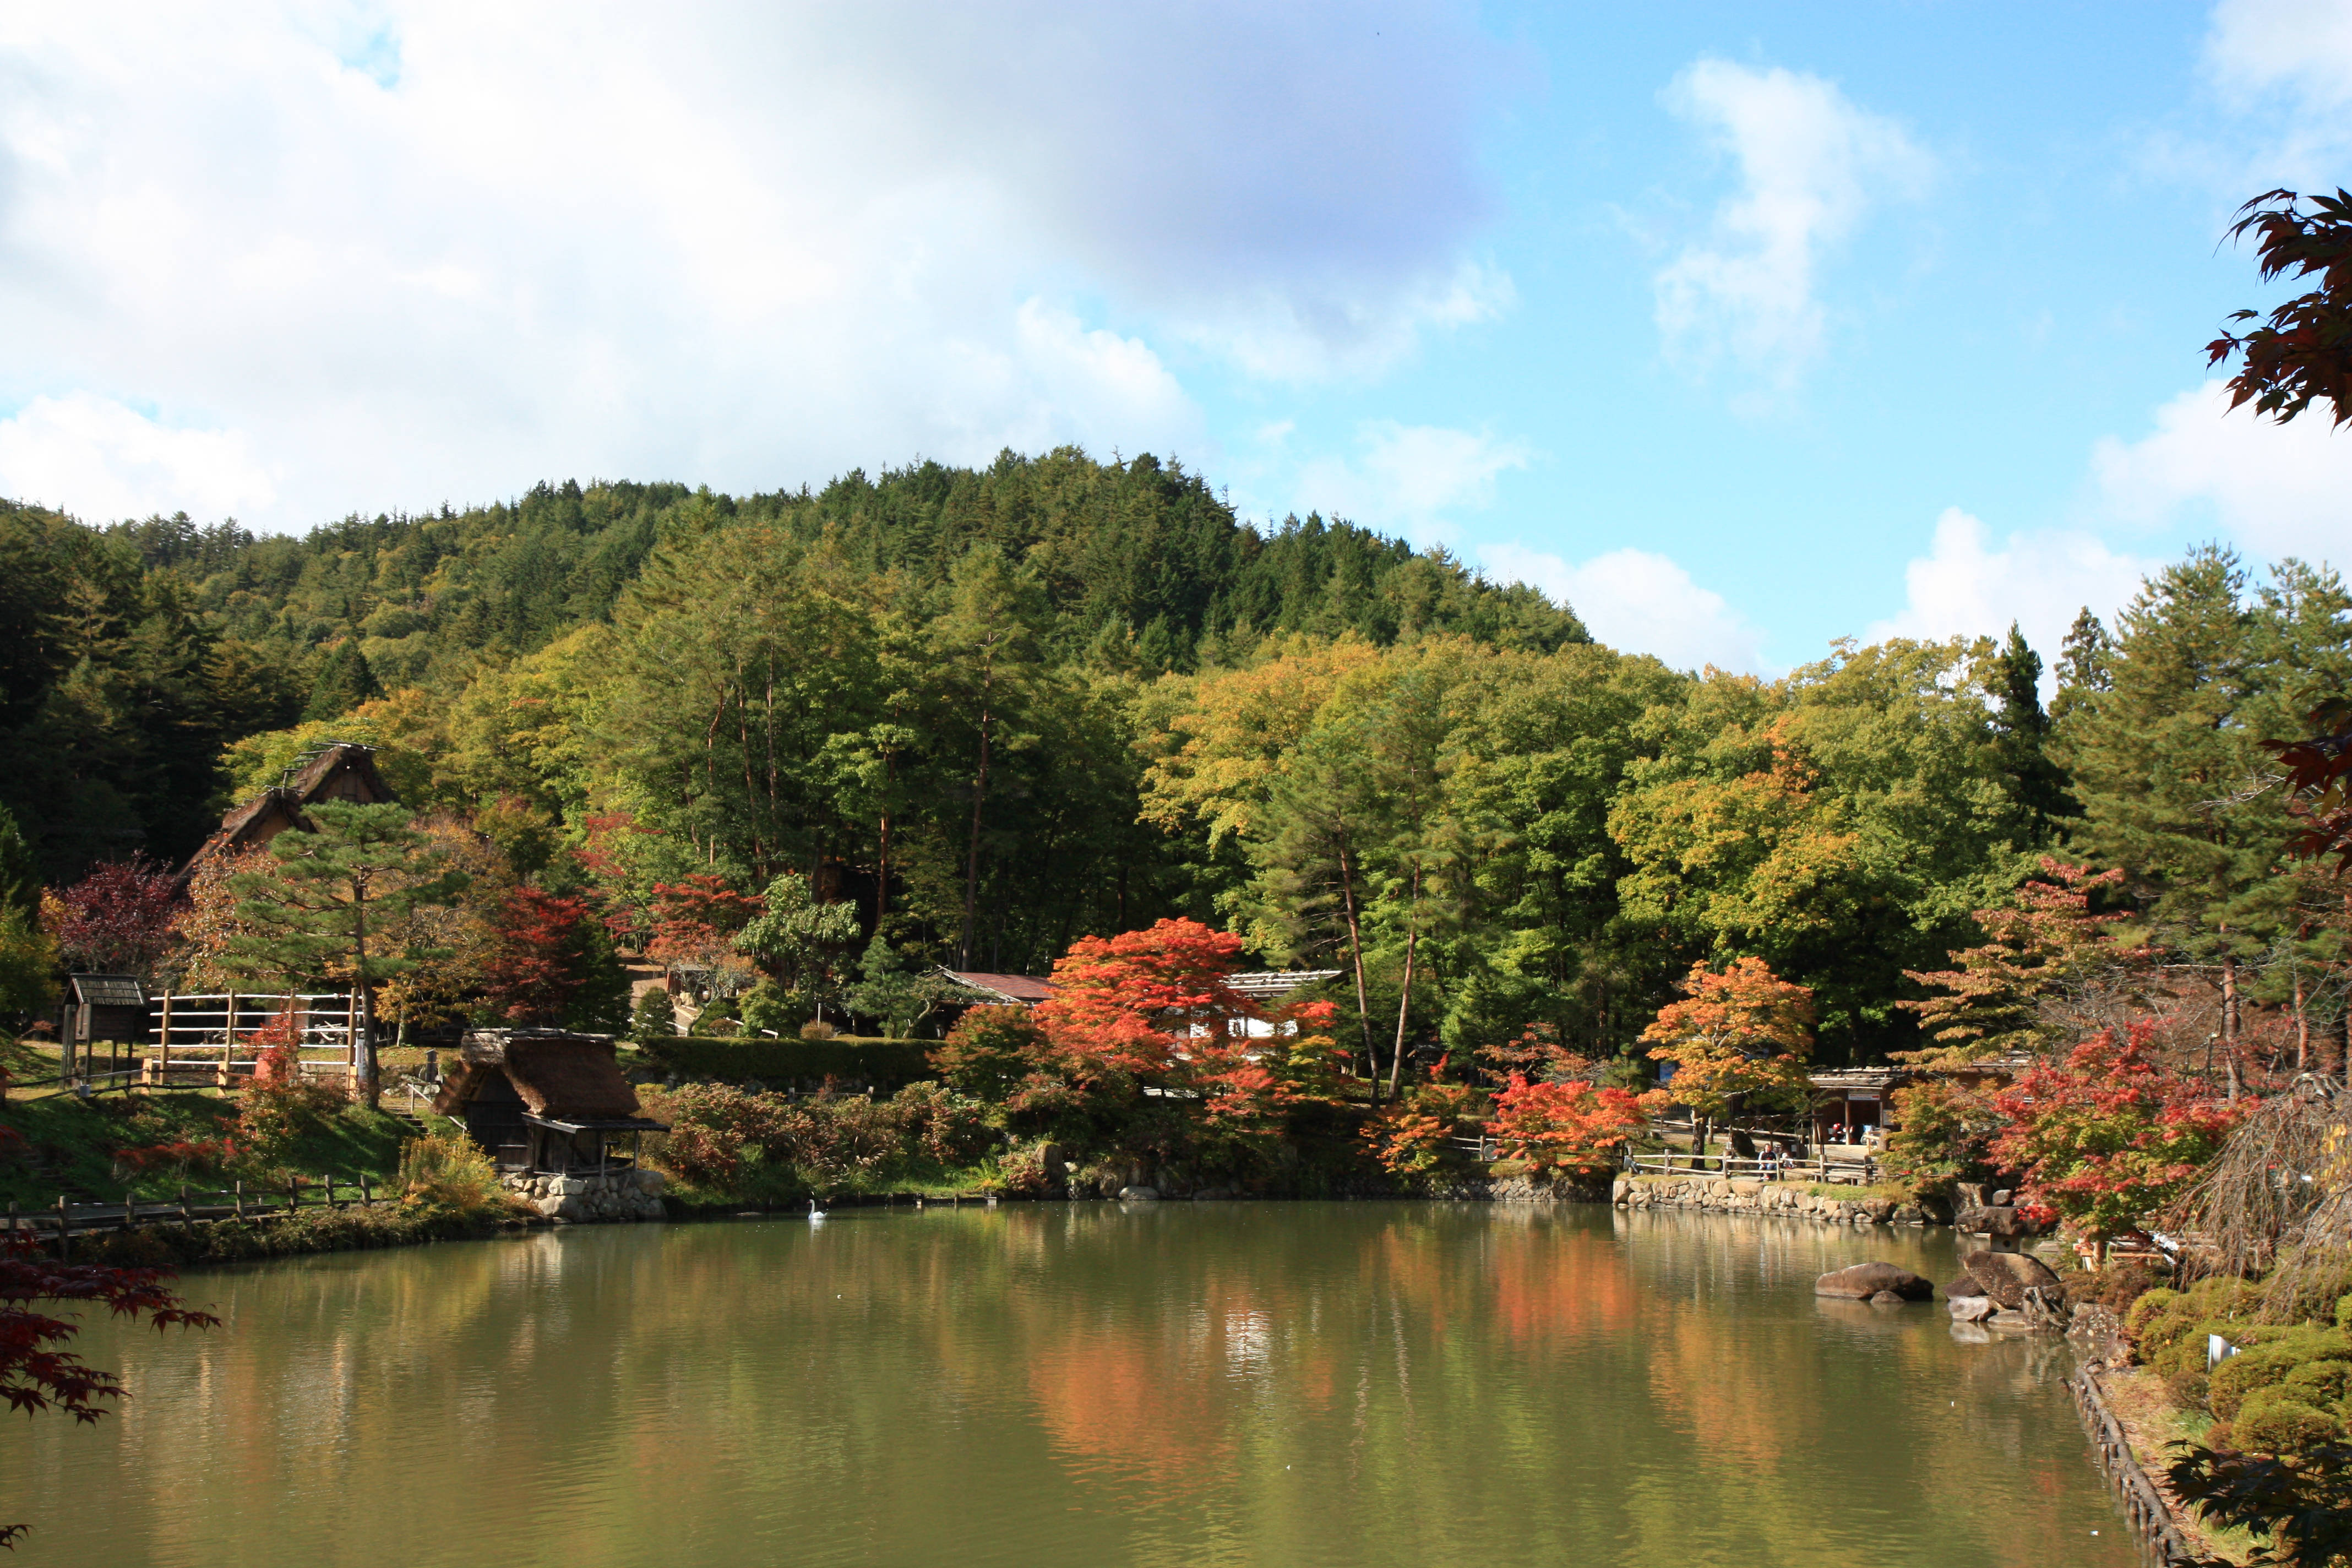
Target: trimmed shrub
884,1064
2322,1383
2273,1421
2270,1363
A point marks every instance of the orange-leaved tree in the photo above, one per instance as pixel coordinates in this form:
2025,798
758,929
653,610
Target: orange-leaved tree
1158,1007
1739,1031
1408,1136
2044,942
1569,1127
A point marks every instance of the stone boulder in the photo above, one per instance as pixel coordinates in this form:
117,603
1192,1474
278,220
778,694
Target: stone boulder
2006,1276
1972,1309
2002,1220
1962,1288
1138,1194
1886,1298
1863,1280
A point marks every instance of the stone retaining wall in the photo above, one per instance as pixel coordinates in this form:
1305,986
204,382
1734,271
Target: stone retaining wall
589,1198
1752,1195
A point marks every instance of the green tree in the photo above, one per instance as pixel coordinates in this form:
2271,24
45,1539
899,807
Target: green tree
344,681
988,638
2037,786
795,935
20,874
2169,760
320,909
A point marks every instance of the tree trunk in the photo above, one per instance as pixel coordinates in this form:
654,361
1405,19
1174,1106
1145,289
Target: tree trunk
1404,996
978,795
369,1090
1355,958
2302,1024
2229,1023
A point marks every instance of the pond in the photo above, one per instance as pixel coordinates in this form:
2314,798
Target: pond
1075,1385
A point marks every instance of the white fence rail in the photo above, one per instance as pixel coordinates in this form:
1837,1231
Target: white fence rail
217,1038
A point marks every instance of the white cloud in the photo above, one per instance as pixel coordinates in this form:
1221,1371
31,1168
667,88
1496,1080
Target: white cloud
1639,601
419,251
2293,58
97,456
1811,161
1966,586
2276,489
1413,479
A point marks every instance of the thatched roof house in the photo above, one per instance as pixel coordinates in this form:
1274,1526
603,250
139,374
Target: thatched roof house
343,772
543,1099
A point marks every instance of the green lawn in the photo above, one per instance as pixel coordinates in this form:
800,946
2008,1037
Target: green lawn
80,1140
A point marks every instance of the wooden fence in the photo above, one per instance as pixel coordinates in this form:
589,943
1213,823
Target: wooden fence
211,1039
68,1220
2145,1508
213,1036
1851,1172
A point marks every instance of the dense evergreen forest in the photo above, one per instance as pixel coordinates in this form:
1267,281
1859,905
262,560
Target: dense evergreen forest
999,709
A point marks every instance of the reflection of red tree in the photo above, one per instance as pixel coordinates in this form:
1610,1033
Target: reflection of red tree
1550,1287
1124,1404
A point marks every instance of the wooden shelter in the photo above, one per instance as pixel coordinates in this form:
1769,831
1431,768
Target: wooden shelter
544,1100
112,1007
343,771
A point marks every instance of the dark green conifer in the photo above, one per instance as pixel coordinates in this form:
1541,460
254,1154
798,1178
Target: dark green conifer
344,682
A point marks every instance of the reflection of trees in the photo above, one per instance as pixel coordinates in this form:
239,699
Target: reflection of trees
1246,1384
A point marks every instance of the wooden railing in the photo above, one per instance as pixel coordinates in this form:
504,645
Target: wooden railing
68,1219
1860,1173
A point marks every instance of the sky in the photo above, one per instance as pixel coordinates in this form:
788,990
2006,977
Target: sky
1738,329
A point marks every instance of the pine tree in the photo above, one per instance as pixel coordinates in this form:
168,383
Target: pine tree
20,874
886,991
2169,760
2085,664
2035,784
320,909
344,682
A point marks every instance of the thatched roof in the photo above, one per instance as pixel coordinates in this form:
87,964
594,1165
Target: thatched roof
343,772
563,1077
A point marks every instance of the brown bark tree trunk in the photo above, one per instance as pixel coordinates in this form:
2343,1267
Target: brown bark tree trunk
2229,1023
1404,996
1355,958
978,795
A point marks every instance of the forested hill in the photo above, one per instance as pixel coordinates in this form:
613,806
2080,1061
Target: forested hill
997,711
132,655
1140,557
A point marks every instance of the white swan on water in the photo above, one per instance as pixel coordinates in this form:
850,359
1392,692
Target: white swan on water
816,1214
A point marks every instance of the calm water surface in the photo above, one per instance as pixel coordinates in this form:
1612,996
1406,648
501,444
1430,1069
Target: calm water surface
1066,1386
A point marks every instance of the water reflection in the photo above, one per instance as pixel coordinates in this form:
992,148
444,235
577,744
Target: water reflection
1076,1385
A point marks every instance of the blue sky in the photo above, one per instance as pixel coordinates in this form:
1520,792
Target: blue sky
1741,328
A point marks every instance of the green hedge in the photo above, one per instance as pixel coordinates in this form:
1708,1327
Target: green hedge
884,1064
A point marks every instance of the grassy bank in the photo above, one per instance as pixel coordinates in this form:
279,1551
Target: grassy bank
64,1144
202,1242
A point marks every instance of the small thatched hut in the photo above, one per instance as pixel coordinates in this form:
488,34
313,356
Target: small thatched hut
544,1101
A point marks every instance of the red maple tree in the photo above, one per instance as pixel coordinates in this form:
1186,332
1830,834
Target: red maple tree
2107,1136
696,918
116,921
534,968
1156,1006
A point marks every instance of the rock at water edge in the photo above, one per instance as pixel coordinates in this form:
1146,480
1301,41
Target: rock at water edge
2006,1276
1863,1280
